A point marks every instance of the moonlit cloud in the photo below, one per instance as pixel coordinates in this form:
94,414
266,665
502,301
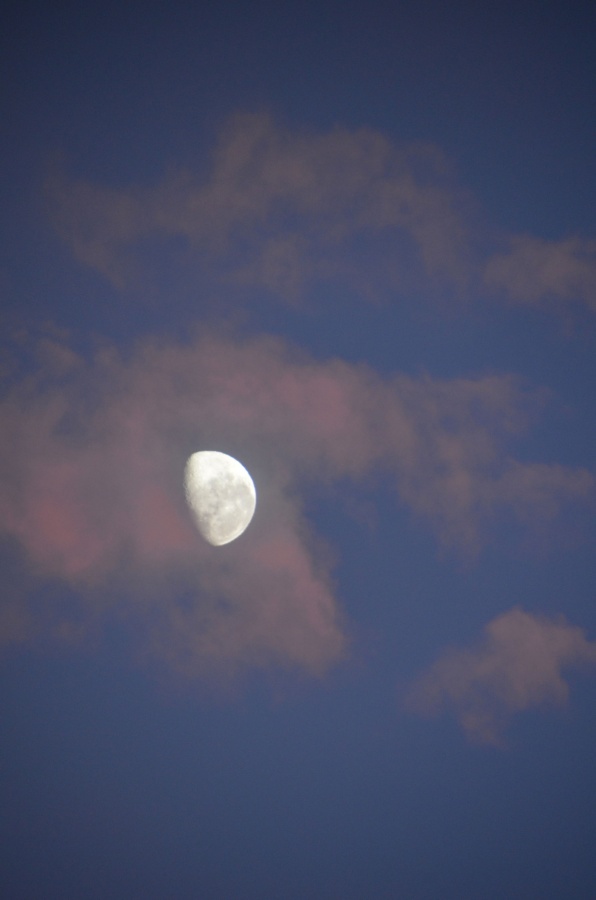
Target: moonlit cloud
517,666
91,462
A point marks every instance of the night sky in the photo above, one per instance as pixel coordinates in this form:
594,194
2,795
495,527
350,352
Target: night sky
354,246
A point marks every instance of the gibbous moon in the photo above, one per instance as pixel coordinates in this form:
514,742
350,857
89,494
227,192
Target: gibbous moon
220,494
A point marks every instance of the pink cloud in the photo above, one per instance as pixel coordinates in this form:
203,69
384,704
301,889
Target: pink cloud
517,666
280,209
534,270
91,462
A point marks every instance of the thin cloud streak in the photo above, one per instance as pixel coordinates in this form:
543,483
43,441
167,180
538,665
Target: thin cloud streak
91,466
517,666
284,210
534,271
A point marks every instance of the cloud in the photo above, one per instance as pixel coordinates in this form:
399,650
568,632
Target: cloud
516,667
534,271
91,462
282,209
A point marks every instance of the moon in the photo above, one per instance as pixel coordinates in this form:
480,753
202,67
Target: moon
221,495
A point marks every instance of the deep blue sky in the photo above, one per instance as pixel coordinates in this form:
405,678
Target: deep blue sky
127,773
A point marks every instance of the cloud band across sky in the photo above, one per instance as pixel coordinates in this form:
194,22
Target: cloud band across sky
92,460
282,210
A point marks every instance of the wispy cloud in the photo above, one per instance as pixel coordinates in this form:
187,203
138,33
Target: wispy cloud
517,666
534,271
91,461
283,210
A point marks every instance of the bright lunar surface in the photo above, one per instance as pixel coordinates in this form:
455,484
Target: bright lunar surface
220,494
